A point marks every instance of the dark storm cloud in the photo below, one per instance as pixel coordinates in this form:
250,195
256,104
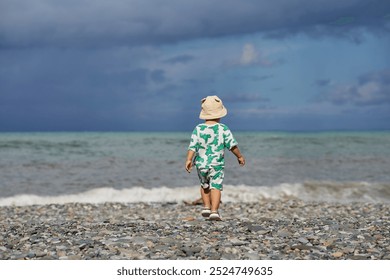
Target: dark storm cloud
98,65
63,89
369,89
101,23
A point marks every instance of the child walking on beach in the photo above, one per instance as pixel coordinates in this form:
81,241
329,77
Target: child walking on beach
208,142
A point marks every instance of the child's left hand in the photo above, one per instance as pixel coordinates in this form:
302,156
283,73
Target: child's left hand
189,166
241,160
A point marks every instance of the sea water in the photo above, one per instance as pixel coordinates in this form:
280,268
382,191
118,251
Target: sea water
41,168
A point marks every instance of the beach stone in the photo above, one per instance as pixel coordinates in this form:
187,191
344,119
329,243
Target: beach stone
251,256
349,250
130,254
19,257
237,242
61,248
263,232
337,254
40,254
302,247
228,257
328,243
284,233
55,240
359,257
303,240
31,255
189,251
74,257
82,246
256,228
24,239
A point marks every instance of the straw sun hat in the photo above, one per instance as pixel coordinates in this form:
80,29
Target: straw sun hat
212,108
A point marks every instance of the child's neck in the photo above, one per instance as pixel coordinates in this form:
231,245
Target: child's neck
212,121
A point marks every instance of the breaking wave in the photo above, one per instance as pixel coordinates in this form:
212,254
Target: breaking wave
308,191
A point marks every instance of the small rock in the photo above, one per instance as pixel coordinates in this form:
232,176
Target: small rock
40,254
302,247
284,233
61,248
359,257
255,228
228,257
74,257
251,256
303,240
237,242
55,241
31,255
189,251
337,254
328,242
24,239
348,250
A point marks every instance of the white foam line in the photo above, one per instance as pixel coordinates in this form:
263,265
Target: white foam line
139,194
101,195
230,194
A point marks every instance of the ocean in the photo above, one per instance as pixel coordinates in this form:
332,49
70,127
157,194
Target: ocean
98,167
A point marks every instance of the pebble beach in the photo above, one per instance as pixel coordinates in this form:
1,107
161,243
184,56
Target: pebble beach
271,229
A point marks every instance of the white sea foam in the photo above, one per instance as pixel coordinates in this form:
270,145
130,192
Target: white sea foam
310,191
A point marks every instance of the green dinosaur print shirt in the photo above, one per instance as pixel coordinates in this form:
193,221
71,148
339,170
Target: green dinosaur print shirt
209,143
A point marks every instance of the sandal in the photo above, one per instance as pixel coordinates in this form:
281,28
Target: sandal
206,212
214,216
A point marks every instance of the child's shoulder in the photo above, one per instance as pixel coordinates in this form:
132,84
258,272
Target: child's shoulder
224,126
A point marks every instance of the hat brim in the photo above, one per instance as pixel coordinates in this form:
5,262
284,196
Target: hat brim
213,115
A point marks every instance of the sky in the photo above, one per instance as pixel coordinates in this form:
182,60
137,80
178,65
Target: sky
144,65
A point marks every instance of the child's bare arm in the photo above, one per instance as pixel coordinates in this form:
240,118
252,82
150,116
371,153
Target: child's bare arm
190,156
236,151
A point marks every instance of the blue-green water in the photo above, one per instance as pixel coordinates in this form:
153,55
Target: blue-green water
341,164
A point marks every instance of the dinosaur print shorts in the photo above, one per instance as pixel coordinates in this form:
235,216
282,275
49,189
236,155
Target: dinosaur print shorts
211,177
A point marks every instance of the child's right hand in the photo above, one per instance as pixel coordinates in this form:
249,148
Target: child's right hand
189,166
190,156
241,160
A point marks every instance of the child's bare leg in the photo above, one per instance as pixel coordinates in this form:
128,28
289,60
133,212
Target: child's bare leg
206,197
215,199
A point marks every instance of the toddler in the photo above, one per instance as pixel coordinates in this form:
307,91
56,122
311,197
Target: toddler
208,143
